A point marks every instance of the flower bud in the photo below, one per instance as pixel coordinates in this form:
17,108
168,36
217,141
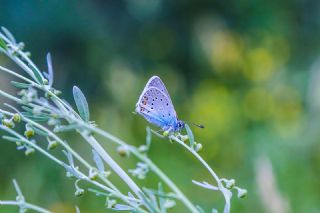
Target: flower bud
143,148
93,174
52,145
29,133
110,203
106,174
242,192
48,95
184,138
28,54
16,118
29,151
79,192
230,183
45,82
57,92
123,151
8,123
198,147
53,121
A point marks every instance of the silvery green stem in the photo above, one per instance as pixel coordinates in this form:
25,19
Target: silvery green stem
168,181
114,190
115,167
213,174
134,151
95,145
153,167
21,202
25,204
32,144
18,76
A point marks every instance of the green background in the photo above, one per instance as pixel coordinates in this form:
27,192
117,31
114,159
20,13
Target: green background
247,70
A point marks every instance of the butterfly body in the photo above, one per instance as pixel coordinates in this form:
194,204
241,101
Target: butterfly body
156,106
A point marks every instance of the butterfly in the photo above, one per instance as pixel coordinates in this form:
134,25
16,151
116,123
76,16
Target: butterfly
156,107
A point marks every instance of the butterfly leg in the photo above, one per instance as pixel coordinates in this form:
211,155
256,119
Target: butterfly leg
159,130
167,130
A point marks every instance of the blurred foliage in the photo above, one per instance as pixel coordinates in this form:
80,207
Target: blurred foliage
247,70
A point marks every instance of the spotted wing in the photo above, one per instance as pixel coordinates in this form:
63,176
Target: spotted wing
155,106
155,81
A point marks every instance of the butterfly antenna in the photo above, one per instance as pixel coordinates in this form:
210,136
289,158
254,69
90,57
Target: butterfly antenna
198,125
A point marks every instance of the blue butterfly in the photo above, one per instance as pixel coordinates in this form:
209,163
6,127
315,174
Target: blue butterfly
156,106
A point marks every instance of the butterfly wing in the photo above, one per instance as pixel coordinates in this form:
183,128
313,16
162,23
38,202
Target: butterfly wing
156,107
155,81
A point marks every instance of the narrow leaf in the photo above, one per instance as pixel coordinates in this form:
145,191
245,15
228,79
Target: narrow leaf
50,69
148,137
69,156
161,200
190,135
200,209
27,109
82,104
77,209
39,118
66,128
20,85
73,171
122,207
12,139
97,159
39,131
8,34
147,203
169,195
99,193
37,74
3,44
205,185
18,190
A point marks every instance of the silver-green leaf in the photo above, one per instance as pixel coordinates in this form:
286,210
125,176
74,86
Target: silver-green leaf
82,104
190,135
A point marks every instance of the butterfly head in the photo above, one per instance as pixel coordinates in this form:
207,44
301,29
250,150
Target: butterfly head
178,126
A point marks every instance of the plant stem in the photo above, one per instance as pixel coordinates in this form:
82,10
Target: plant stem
168,181
146,160
114,190
115,167
203,162
24,204
213,174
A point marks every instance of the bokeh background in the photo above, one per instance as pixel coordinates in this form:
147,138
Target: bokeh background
247,70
